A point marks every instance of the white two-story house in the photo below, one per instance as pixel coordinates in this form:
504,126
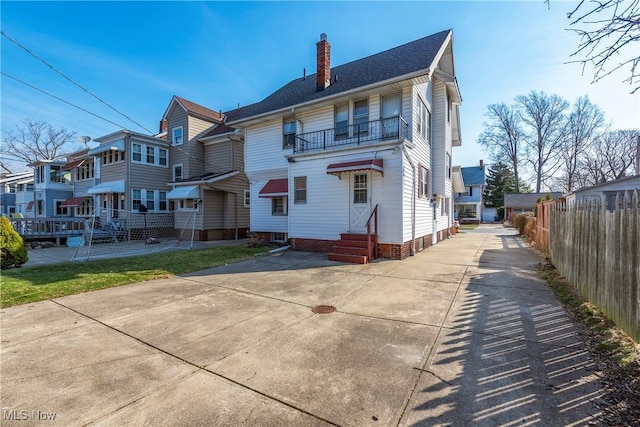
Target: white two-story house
359,149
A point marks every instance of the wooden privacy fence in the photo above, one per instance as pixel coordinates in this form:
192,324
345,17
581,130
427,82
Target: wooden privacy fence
598,251
537,228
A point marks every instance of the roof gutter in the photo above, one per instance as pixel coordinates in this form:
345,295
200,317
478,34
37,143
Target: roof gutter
328,99
205,181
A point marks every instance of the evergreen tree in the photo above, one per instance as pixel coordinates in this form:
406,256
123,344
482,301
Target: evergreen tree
500,179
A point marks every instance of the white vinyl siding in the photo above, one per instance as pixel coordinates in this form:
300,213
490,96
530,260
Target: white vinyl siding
263,148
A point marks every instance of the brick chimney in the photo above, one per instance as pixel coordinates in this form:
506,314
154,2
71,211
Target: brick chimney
323,76
163,125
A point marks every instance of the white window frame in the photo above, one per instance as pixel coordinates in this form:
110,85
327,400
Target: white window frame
134,199
166,157
153,154
152,200
56,207
287,140
285,202
297,192
135,152
360,125
162,200
173,136
341,127
247,198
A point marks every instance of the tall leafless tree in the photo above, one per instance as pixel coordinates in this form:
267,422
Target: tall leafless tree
503,137
36,140
543,116
609,33
613,155
583,124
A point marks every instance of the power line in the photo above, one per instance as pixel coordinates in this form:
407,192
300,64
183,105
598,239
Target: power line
72,81
60,99
180,149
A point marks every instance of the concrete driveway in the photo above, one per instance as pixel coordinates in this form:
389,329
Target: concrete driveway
461,334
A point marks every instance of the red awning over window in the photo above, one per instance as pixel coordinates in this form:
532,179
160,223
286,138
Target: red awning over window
275,188
360,165
30,205
73,201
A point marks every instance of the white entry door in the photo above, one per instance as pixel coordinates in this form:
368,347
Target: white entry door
359,201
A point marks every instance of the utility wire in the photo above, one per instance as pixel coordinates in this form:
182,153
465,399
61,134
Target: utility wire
72,81
60,99
177,148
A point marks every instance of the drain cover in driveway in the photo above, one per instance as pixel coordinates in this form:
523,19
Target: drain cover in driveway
323,309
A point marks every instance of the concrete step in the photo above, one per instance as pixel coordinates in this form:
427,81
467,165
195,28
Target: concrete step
356,259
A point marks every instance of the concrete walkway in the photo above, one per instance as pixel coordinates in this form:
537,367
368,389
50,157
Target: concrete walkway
461,334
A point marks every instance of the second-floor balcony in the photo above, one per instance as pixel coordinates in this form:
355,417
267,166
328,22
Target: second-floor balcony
383,130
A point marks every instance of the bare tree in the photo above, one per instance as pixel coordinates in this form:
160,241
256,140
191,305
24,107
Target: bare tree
543,115
36,140
583,125
614,155
503,137
609,33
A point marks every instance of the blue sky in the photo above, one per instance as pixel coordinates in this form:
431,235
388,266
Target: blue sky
137,55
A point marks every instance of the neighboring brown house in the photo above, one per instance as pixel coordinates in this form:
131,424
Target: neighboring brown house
206,171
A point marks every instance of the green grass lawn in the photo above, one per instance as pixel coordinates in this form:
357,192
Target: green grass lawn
30,284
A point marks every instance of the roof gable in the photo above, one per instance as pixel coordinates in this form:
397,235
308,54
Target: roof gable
193,109
405,60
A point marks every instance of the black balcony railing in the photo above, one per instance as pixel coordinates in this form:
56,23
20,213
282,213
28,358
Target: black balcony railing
356,134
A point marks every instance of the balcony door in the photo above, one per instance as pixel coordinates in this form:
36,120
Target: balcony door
391,111
359,201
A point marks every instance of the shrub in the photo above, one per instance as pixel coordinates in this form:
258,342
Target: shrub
12,249
500,213
520,221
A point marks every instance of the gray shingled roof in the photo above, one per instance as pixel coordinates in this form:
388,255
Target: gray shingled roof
473,175
398,61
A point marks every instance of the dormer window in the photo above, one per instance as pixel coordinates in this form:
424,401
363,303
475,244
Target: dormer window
176,136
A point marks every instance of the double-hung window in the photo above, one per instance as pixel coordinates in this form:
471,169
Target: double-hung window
361,116
342,121
177,173
391,105
151,155
176,136
423,181
162,156
136,199
136,152
300,189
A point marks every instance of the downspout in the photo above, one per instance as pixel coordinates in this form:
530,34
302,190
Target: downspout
412,250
